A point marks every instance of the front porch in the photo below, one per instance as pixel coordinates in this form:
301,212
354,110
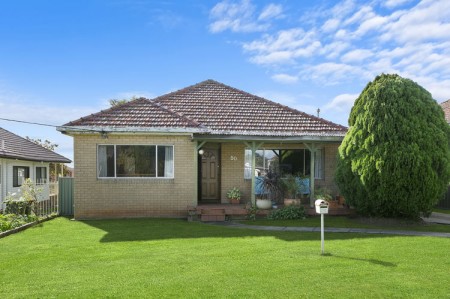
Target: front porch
224,212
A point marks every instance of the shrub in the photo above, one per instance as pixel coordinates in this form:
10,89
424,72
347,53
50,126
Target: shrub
11,221
25,201
394,160
287,213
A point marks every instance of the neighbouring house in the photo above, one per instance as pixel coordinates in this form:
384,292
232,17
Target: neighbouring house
446,107
189,147
21,159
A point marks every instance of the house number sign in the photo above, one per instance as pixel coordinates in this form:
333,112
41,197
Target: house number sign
233,158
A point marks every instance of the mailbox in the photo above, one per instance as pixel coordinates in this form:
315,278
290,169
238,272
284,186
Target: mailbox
321,206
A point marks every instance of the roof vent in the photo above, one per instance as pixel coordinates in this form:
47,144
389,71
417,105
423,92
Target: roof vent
2,145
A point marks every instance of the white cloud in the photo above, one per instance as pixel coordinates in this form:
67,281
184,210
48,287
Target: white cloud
242,16
331,25
357,55
343,8
331,73
428,20
353,41
285,78
271,11
341,103
395,3
338,109
283,47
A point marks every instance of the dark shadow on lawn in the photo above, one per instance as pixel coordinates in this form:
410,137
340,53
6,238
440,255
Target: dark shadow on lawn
372,261
120,230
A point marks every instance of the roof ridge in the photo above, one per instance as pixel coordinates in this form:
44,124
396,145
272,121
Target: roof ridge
175,113
184,89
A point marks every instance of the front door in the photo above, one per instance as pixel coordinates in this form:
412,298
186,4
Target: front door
210,176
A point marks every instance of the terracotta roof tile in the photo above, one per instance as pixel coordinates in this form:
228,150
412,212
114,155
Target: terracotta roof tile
15,147
226,109
137,113
216,107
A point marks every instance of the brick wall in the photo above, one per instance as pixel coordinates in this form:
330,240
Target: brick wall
159,197
233,171
133,197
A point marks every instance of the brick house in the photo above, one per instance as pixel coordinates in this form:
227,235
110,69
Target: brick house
21,159
189,147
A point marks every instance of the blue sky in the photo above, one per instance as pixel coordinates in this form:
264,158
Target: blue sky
60,60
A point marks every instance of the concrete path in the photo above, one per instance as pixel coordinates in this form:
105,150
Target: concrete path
437,218
332,230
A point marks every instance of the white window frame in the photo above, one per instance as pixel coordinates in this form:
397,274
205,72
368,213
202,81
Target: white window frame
319,161
42,182
137,178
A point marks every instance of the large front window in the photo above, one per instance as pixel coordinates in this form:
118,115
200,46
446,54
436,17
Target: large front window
285,161
127,161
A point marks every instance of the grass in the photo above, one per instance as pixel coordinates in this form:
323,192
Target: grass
353,222
164,258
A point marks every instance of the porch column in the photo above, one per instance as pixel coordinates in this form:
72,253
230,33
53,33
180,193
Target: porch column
253,146
312,148
253,196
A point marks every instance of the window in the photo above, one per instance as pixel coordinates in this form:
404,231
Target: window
265,160
20,174
128,161
41,175
292,161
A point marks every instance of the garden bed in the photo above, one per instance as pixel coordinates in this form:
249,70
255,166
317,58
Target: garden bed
20,224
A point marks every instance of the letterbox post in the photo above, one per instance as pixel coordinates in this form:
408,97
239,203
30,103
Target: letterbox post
322,233
322,209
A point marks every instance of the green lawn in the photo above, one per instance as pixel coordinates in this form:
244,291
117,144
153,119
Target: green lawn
163,258
349,222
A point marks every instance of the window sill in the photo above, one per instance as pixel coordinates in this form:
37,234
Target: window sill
136,180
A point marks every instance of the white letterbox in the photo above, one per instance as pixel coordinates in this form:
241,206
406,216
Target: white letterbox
321,206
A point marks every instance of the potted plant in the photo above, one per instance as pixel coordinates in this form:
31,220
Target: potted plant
234,195
270,186
324,193
290,190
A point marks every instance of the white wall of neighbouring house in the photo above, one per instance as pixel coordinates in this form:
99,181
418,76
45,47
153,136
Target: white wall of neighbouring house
2,185
6,177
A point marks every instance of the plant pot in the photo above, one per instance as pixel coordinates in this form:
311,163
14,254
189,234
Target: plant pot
263,204
290,201
340,199
234,201
333,204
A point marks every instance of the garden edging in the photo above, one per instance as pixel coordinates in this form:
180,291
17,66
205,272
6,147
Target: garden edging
25,226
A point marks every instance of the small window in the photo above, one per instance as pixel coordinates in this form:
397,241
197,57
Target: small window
41,175
20,174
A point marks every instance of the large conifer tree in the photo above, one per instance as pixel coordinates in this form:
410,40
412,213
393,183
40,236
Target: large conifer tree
395,159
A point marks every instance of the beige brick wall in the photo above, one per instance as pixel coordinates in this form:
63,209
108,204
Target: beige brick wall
138,197
331,151
232,159
158,197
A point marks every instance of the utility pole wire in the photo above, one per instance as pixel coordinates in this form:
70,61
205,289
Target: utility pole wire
45,125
